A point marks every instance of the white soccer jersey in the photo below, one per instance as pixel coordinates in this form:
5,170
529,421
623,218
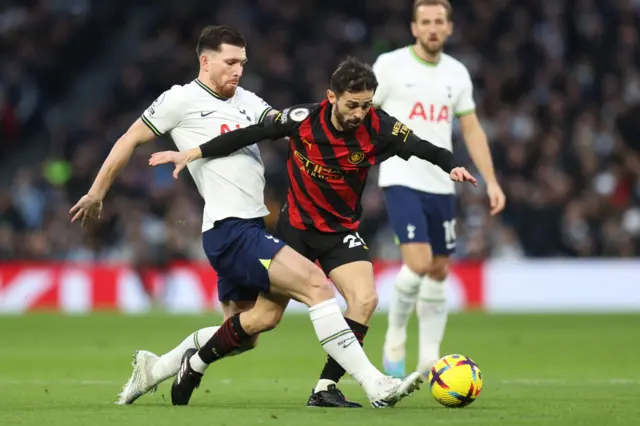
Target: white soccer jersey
192,114
425,97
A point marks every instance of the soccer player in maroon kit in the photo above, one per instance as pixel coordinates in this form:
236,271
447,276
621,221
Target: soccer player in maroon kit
332,146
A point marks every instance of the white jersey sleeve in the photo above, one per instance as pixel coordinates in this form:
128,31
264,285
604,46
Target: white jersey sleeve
165,112
464,104
259,107
382,70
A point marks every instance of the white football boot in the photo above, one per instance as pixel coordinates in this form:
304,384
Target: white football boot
390,391
141,380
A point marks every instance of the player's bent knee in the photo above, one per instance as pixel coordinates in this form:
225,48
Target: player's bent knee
364,302
440,273
439,270
271,319
418,257
419,267
319,289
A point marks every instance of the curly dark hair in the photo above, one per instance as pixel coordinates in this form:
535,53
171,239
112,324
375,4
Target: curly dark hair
353,75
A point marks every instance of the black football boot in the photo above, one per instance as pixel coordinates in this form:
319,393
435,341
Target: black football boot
332,397
186,381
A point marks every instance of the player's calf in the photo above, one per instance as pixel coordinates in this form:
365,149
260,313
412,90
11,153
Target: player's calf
417,258
355,282
289,277
432,313
247,345
236,332
301,279
240,331
263,317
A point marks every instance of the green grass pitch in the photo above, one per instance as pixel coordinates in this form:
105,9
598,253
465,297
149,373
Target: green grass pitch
538,370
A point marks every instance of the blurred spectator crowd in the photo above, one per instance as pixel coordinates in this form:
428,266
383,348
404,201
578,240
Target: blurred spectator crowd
557,86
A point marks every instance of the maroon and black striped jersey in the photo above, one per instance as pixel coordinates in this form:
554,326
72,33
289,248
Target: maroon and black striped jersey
328,168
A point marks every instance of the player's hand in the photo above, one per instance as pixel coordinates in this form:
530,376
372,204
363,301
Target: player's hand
180,159
497,198
87,208
460,174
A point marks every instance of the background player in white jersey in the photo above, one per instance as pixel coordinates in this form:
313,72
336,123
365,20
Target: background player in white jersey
426,88
258,273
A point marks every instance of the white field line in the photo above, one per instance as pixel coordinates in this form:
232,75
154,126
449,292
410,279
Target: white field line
522,382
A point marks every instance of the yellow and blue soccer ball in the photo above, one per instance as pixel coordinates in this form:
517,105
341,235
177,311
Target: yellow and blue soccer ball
455,381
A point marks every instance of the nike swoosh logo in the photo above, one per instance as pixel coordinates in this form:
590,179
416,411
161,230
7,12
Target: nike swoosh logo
203,114
346,345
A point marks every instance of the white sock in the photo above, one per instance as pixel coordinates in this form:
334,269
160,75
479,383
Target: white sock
341,344
403,300
198,364
432,319
323,385
169,364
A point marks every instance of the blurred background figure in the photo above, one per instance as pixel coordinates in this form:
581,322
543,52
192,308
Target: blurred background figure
557,87
557,90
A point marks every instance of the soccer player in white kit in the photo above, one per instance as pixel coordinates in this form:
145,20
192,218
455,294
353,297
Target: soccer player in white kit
426,88
256,271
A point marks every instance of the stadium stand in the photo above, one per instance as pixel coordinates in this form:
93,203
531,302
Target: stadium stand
558,92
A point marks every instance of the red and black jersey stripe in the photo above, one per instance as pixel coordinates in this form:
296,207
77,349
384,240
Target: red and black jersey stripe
328,170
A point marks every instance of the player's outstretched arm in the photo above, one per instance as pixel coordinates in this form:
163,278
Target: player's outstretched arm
441,157
476,141
180,159
271,128
398,139
90,205
237,139
220,146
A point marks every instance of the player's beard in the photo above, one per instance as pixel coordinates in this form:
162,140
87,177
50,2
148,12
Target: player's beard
430,49
228,90
347,125
223,88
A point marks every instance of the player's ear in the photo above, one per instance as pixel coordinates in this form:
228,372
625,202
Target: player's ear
414,29
332,96
204,62
450,29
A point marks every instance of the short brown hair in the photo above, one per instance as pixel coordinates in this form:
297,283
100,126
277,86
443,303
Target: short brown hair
445,3
353,76
213,36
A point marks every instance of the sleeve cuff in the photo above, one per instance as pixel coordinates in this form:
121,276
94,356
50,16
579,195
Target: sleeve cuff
150,125
466,112
264,114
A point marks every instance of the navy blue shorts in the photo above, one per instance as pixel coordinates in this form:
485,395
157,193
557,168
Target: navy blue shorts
420,217
240,250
